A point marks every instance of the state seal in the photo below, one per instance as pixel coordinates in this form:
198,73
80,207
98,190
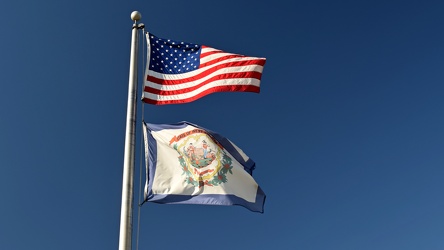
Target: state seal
204,162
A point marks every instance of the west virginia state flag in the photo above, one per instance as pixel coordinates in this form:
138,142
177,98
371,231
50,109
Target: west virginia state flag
188,164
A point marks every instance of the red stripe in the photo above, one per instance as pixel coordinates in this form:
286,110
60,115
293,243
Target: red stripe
239,75
235,88
216,60
205,54
205,73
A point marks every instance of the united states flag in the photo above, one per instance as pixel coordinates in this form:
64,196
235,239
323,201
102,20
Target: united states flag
181,72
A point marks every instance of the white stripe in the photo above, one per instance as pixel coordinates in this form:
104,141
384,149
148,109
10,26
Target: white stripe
222,71
208,49
197,71
219,55
215,56
238,81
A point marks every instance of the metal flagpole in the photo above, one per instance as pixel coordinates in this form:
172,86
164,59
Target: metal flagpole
126,213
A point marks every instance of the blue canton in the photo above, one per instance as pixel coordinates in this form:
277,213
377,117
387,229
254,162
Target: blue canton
172,57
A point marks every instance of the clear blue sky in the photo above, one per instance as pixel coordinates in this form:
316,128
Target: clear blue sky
347,132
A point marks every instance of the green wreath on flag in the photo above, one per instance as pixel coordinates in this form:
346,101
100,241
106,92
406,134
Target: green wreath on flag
219,178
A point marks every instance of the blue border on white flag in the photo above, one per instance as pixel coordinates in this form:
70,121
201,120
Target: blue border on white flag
205,199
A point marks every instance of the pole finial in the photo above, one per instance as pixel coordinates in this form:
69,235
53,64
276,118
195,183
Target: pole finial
136,16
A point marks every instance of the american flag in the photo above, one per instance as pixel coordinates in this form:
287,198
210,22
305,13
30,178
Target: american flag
181,72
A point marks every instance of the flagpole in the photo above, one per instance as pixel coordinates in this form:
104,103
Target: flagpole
126,213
